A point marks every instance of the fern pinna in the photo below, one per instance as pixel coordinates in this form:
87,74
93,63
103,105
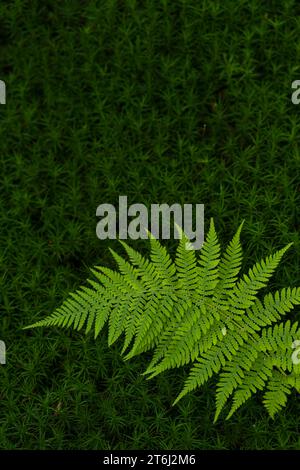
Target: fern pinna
196,311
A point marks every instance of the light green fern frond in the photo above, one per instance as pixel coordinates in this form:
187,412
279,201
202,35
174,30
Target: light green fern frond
196,310
275,397
244,292
273,353
183,346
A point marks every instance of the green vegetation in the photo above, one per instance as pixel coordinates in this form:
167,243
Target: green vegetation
162,101
195,310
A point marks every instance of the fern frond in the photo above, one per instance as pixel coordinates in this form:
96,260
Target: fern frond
244,292
233,373
229,268
195,310
275,397
208,273
186,266
184,345
212,360
274,351
273,307
254,380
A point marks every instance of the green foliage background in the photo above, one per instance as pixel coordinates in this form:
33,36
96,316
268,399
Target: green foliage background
181,101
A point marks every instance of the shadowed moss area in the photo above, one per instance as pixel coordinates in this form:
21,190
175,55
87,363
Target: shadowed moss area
182,101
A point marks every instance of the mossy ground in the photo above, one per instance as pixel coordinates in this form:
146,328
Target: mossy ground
162,101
